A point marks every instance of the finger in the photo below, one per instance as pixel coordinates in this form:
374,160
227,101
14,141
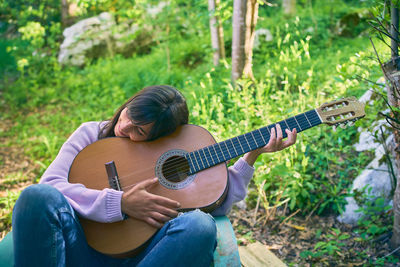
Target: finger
148,182
295,134
279,134
171,213
160,217
153,222
291,137
272,138
166,202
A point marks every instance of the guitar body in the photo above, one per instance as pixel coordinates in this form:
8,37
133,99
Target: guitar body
138,161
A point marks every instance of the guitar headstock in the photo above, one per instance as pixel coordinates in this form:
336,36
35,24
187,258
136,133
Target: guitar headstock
341,111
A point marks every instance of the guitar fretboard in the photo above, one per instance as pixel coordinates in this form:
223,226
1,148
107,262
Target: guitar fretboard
220,152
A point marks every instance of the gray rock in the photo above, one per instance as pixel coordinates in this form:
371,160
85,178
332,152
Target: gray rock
101,36
376,177
262,35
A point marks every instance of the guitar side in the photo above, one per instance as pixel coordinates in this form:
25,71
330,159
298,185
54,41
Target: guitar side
135,162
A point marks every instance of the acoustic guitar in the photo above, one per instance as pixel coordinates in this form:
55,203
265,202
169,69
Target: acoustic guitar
190,167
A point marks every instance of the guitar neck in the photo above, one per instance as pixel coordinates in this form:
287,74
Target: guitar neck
220,152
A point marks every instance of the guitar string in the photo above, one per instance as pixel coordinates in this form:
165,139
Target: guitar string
251,146
206,150
298,119
182,162
227,150
270,126
254,141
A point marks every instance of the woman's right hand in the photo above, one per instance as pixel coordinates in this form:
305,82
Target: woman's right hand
153,209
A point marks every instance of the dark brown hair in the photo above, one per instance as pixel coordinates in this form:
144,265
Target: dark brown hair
161,104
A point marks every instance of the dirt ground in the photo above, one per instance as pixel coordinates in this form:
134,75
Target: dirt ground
288,237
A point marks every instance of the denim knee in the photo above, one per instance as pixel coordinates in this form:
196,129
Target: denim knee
202,226
40,197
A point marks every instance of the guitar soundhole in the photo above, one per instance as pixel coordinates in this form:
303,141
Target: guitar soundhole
175,169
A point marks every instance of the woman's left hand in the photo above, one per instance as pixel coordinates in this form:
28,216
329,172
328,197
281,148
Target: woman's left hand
275,143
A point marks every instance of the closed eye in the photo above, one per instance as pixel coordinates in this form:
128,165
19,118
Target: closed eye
140,131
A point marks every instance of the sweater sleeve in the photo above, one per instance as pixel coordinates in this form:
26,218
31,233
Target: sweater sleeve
239,176
98,205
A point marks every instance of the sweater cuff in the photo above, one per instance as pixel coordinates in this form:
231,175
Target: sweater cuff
113,209
244,169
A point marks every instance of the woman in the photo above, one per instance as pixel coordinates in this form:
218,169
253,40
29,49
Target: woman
46,228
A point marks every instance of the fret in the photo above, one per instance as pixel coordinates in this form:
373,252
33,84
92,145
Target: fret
292,123
247,141
297,123
254,139
262,136
243,141
304,121
211,156
258,137
203,166
219,160
234,147
222,152
205,156
228,150
191,162
230,156
240,144
305,115
198,166
315,120
269,132
286,125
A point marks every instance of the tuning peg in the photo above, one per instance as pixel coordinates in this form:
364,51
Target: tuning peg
350,123
343,125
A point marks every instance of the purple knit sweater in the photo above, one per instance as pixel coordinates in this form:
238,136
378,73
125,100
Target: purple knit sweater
105,205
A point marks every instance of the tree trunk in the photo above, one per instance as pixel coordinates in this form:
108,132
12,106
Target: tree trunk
238,38
68,13
251,21
64,13
217,35
392,73
220,34
289,7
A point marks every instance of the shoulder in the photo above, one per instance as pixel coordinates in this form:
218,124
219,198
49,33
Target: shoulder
87,132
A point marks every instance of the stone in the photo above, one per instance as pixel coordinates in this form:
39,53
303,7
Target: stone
346,25
262,35
101,36
378,179
375,180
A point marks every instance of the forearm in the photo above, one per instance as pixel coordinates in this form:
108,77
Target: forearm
251,157
99,205
240,175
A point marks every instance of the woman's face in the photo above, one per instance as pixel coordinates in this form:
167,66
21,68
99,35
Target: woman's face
126,128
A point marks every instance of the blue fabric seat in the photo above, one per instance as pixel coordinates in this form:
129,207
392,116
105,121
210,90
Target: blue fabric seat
7,251
226,253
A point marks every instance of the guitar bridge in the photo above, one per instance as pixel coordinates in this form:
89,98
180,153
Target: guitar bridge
112,174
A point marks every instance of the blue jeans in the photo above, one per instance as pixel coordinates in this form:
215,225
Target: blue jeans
47,232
